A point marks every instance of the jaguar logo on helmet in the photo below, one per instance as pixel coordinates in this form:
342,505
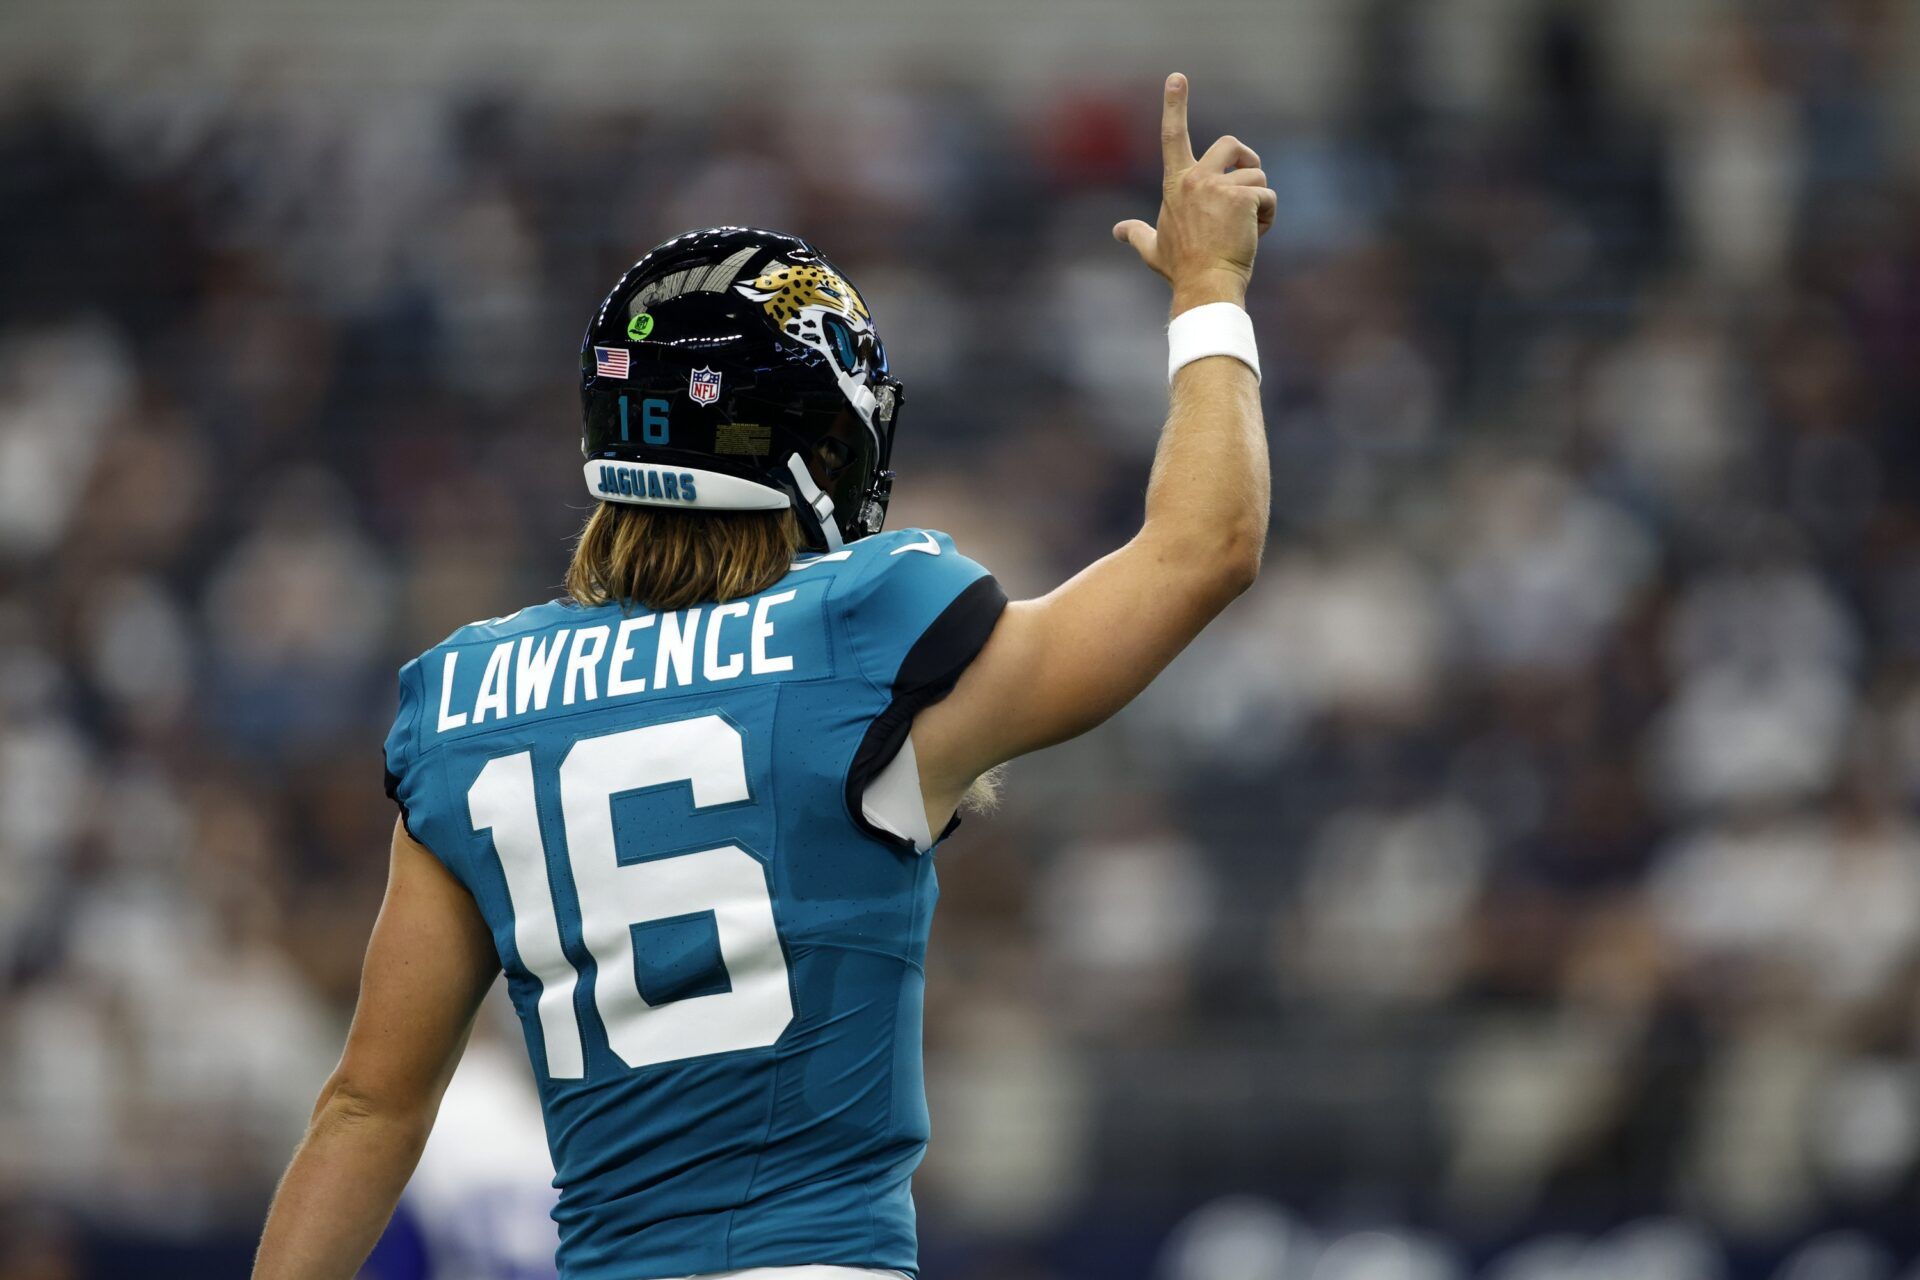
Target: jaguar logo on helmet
817,306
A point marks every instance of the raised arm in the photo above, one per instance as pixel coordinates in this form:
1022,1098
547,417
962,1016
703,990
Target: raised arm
1059,665
428,965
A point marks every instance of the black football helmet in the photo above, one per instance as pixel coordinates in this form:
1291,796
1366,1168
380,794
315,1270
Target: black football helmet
735,369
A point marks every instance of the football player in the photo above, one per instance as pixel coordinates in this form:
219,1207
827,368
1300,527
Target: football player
690,809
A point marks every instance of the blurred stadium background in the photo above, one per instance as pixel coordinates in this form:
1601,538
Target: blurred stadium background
1523,883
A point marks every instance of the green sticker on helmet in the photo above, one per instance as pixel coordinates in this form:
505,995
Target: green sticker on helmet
639,327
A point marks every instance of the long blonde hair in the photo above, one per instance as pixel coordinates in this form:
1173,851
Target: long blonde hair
663,558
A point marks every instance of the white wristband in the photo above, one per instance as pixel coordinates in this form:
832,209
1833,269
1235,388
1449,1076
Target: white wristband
1216,329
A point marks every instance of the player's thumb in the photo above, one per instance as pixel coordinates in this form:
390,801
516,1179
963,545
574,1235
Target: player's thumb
1136,233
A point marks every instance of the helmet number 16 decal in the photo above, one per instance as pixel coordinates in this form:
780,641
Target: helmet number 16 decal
653,420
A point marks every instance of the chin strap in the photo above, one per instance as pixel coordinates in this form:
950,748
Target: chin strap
817,502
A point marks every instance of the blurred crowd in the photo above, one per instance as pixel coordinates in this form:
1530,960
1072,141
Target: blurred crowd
1523,881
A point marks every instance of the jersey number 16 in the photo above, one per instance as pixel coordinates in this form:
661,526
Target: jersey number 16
708,753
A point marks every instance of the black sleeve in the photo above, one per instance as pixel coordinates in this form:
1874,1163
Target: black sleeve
927,674
393,794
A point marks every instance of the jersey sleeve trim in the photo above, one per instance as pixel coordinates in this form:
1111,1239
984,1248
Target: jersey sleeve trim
928,673
393,794
402,747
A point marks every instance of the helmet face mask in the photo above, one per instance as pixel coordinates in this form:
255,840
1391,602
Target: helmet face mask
719,358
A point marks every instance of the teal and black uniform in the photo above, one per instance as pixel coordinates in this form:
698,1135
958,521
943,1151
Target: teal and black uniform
716,954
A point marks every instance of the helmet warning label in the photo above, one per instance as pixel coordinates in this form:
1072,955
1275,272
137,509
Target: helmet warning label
743,438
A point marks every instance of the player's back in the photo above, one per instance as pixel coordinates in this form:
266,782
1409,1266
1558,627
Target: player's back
702,880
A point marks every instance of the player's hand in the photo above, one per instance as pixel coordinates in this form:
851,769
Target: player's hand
1213,211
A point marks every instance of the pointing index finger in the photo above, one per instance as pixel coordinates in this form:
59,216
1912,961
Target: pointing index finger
1176,149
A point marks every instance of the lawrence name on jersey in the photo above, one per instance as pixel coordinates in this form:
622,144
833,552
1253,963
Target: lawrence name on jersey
691,809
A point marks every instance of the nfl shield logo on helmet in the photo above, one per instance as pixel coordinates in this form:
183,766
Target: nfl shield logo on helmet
704,386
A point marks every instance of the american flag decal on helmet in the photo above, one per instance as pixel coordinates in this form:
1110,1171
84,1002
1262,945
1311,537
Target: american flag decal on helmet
610,362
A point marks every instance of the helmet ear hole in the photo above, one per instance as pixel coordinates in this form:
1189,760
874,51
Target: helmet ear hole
833,454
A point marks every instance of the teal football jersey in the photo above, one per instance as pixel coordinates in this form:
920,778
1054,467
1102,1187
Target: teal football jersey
715,953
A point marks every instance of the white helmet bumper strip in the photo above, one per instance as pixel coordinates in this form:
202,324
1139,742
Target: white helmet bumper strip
820,504
689,488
